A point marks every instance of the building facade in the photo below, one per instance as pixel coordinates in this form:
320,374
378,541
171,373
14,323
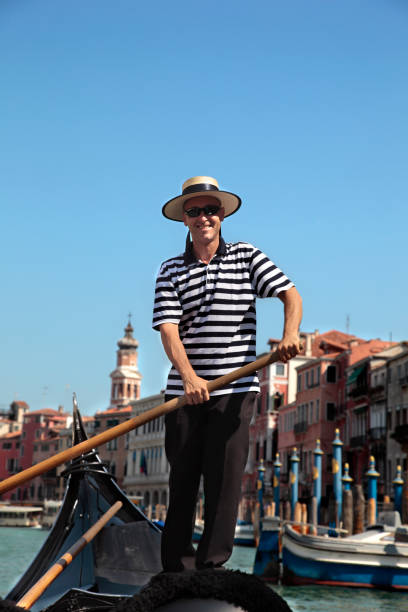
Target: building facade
147,471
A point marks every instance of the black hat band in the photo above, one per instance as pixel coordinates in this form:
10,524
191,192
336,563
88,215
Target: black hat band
199,187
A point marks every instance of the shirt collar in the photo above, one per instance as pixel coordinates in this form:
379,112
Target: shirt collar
189,255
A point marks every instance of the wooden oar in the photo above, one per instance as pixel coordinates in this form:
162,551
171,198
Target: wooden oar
123,428
44,582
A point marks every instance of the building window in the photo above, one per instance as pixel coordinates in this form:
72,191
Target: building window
112,445
307,380
299,382
280,369
330,411
312,378
331,374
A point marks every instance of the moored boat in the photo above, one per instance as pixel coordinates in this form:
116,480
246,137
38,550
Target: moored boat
376,558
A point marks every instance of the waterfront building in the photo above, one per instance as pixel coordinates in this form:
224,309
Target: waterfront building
12,418
21,449
397,412
329,396
40,434
311,414
147,469
10,443
277,388
113,453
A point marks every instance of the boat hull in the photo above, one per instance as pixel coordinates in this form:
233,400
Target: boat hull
304,562
266,563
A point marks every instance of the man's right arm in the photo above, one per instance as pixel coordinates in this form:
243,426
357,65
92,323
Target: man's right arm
195,388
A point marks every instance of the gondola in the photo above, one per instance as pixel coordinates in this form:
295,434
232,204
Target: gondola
122,558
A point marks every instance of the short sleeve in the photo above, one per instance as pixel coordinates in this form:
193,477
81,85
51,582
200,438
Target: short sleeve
167,308
267,279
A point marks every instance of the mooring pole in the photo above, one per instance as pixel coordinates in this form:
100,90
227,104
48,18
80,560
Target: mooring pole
276,483
294,480
317,477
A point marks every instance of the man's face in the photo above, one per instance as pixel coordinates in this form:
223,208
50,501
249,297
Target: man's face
206,227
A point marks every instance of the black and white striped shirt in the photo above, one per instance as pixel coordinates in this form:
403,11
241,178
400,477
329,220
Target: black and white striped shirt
214,306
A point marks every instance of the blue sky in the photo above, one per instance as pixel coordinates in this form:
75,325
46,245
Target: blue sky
107,107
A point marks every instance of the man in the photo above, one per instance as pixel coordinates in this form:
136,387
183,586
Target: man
205,311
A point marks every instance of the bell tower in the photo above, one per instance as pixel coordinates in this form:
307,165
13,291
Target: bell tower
126,378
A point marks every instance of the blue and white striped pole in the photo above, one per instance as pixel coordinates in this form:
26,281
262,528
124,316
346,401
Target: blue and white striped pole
317,477
276,483
398,484
336,470
294,480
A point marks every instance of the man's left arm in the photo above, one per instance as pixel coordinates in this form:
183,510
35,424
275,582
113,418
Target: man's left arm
289,346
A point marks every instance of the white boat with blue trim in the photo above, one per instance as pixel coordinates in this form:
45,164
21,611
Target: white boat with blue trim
376,558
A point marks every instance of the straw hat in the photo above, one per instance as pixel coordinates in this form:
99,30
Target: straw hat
198,186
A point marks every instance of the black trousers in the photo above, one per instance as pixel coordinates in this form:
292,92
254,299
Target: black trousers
210,439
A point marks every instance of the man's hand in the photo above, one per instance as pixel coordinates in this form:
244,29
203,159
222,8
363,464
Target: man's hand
288,347
195,389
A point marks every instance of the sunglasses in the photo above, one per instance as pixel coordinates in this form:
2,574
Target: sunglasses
209,210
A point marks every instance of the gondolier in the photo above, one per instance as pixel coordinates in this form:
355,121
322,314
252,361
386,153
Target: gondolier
205,311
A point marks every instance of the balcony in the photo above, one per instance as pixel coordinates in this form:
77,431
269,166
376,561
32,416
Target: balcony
377,391
359,391
357,441
377,433
401,434
300,427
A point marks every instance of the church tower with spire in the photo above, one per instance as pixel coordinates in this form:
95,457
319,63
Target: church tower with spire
126,378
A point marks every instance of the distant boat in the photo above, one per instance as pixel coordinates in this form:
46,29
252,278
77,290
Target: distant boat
244,533
20,516
376,558
50,512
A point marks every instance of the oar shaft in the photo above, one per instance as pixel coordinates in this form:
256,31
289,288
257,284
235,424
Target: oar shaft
44,582
123,428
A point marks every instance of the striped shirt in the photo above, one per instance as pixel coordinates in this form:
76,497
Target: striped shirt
214,307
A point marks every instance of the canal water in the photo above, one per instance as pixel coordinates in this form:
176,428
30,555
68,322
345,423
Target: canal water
18,547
